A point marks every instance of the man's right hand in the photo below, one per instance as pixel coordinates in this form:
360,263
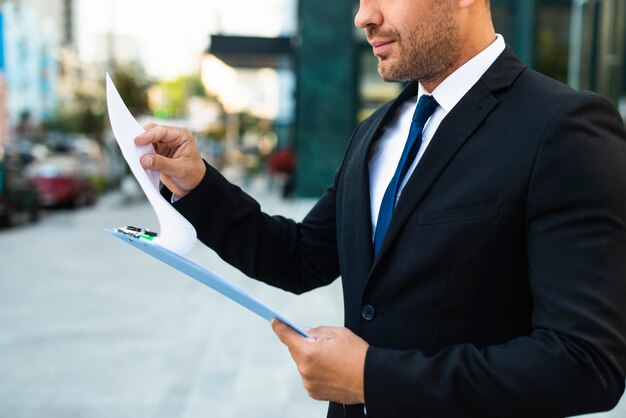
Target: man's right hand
177,158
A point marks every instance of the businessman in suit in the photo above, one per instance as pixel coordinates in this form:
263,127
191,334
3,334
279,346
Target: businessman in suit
478,223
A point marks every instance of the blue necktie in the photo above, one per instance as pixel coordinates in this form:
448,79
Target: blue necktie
424,110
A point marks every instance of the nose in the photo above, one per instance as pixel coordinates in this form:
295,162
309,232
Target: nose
368,15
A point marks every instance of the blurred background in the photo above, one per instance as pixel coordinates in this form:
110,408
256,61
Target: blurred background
272,89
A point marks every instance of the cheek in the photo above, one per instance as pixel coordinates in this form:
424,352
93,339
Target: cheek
410,29
408,15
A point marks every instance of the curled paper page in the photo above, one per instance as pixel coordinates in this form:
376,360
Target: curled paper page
176,233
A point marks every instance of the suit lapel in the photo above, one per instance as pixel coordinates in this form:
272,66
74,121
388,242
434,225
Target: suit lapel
363,229
363,215
456,128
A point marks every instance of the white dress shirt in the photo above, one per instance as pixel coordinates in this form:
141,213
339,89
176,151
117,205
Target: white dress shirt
387,150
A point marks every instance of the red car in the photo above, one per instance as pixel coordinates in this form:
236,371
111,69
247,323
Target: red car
62,181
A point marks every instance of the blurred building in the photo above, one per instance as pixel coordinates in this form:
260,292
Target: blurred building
31,69
255,72
580,42
43,71
4,129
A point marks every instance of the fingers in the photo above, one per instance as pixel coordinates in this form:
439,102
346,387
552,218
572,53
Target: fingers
159,163
286,334
319,333
323,333
176,157
167,135
149,125
331,367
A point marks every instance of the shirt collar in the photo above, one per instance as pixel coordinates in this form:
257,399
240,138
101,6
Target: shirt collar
456,85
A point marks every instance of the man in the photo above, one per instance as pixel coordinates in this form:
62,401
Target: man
483,268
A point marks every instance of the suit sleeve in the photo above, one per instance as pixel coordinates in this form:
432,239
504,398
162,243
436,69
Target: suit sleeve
574,360
296,257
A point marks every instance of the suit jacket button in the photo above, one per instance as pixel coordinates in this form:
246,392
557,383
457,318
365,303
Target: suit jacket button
368,312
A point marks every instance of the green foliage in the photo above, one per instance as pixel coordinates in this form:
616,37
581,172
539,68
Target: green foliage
248,122
176,93
82,116
132,83
86,111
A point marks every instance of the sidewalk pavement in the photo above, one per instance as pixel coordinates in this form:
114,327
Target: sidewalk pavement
94,328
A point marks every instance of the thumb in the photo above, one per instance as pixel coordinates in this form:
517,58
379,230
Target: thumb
285,333
156,162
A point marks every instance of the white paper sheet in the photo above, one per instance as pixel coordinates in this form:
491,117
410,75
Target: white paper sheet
175,232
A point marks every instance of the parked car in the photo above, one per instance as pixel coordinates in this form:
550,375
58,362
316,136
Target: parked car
62,181
18,195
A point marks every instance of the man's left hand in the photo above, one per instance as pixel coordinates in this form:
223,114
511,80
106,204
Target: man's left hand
331,364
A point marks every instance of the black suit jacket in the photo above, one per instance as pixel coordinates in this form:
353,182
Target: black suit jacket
501,284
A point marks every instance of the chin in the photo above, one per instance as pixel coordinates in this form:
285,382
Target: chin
392,77
385,72
391,73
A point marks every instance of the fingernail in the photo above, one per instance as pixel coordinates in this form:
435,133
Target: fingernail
148,161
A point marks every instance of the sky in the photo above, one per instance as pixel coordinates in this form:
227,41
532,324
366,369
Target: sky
169,36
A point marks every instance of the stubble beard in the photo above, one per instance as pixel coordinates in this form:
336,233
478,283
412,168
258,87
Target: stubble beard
425,53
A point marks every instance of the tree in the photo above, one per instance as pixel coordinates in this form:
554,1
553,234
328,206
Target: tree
85,112
132,83
176,93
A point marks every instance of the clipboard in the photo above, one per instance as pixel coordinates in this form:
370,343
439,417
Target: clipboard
177,234
202,275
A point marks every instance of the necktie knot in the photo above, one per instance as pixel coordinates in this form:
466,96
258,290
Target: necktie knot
425,108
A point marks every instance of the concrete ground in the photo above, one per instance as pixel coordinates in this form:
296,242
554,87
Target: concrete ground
92,328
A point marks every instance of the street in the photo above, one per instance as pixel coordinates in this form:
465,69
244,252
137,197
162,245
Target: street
92,327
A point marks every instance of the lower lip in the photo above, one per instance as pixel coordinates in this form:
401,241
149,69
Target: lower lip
382,49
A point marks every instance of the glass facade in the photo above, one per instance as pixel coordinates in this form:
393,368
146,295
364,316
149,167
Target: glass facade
373,91
579,42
